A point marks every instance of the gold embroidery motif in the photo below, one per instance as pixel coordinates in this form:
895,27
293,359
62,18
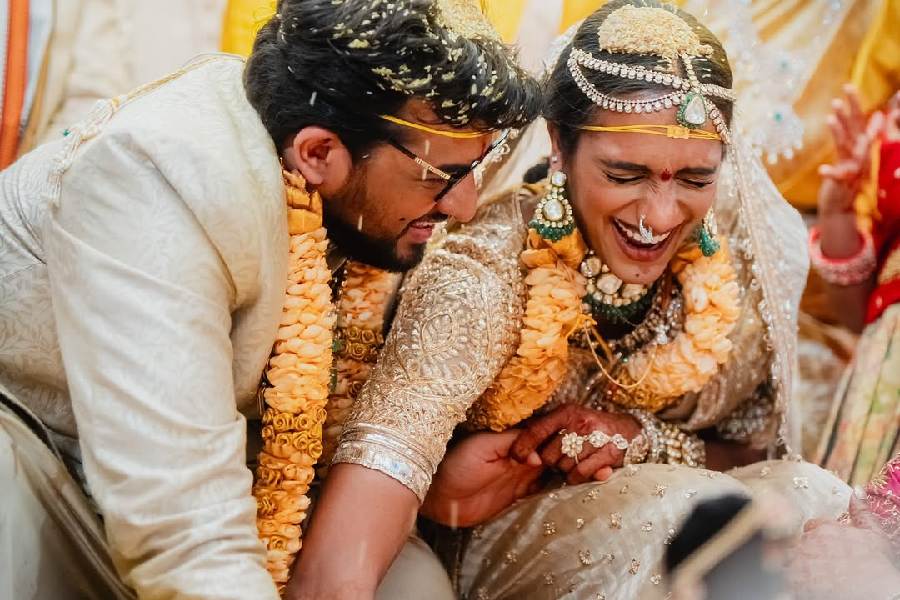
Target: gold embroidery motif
456,326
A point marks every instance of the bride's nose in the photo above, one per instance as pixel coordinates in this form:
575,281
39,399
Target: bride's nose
661,209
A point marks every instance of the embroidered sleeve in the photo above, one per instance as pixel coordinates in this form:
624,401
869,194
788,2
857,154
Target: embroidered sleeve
455,327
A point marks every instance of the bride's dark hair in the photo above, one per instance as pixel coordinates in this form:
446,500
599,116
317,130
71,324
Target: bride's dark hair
568,108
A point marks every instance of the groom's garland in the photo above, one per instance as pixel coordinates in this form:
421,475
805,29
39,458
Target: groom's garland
299,379
361,308
296,385
653,378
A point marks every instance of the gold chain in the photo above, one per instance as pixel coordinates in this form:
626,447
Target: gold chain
625,386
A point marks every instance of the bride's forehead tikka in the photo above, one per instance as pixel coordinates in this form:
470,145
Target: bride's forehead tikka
655,32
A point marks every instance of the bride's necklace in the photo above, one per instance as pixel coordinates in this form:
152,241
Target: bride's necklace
663,321
657,325
608,297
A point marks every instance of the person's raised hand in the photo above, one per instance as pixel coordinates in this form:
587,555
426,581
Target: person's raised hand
853,133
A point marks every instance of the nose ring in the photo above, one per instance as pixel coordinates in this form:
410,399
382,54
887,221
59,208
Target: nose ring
645,231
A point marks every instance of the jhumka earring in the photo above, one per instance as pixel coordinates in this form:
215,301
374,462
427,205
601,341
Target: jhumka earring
707,234
553,218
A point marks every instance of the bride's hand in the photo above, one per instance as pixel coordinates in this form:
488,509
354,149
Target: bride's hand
541,438
478,479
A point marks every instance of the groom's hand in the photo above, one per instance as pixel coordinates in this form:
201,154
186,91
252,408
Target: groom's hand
478,479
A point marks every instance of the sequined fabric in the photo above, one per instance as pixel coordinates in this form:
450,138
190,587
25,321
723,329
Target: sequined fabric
884,499
607,540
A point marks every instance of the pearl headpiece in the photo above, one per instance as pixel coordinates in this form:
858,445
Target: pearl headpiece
654,32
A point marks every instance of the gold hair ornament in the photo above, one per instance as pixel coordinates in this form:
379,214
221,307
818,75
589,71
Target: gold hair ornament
655,32
467,18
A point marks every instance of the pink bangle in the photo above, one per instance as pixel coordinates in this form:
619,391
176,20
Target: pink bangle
852,270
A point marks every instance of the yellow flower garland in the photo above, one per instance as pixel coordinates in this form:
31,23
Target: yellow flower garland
552,314
363,303
711,303
301,421
687,363
299,376
653,379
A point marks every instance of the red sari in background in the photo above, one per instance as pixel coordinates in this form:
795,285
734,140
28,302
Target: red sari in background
866,416
886,232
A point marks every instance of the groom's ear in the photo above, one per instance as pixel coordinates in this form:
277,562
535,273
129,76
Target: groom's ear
321,158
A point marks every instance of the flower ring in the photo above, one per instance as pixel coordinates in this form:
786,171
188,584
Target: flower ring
573,444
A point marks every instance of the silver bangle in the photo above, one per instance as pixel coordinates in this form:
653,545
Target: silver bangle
669,444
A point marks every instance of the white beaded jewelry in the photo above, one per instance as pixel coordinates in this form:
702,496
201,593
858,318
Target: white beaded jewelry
573,444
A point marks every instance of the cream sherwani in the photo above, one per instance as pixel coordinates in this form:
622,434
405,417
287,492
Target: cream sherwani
140,301
143,259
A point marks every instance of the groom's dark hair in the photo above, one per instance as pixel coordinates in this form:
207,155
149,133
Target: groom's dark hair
339,64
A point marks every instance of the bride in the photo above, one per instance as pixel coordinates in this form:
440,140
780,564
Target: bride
623,331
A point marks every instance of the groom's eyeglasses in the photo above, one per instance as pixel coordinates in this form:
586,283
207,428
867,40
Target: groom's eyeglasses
453,178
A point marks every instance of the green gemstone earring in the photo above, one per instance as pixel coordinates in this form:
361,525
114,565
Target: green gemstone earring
553,218
707,234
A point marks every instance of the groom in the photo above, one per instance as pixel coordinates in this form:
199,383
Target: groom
142,265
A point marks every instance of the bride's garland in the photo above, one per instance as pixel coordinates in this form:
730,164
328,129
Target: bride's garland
553,313
687,363
299,375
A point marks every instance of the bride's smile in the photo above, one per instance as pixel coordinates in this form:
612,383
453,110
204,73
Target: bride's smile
637,198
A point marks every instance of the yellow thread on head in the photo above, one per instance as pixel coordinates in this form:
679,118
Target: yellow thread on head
459,135
670,131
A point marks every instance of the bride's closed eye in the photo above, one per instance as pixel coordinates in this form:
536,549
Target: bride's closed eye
696,183
622,180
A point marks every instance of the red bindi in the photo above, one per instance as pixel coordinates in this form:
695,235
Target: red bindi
666,175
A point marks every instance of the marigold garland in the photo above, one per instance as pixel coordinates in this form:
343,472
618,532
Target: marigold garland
362,306
686,364
552,313
298,378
